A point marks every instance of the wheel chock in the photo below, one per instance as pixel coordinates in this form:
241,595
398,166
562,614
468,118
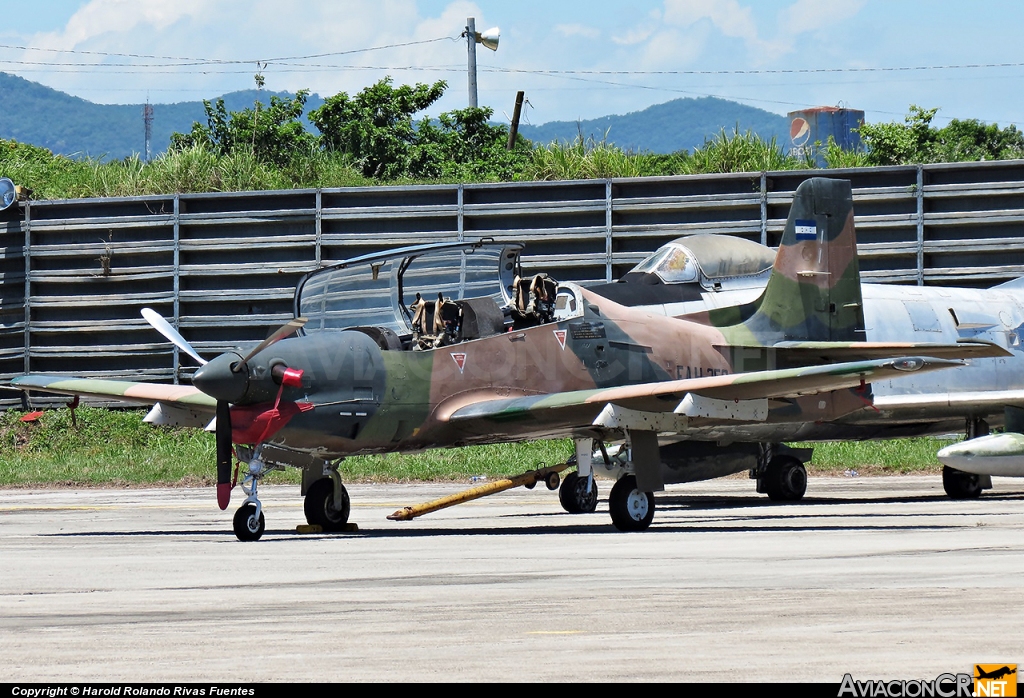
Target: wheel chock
317,528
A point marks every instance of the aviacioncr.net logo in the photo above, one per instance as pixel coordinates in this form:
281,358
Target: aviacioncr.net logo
942,686
995,680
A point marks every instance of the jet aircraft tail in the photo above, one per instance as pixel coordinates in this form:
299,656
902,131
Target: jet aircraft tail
813,294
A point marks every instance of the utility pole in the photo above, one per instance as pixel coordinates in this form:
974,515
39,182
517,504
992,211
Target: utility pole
514,131
489,39
471,45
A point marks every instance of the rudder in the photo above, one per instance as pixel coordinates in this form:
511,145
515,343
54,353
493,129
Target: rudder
813,293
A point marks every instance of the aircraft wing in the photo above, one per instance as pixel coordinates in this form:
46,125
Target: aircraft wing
581,408
128,391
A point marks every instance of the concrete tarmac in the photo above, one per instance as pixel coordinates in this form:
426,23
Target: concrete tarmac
882,577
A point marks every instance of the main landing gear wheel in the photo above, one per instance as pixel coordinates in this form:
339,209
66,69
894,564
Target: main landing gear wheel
247,525
573,495
785,479
319,506
631,509
960,485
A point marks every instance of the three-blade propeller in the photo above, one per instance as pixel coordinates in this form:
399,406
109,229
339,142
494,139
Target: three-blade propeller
223,431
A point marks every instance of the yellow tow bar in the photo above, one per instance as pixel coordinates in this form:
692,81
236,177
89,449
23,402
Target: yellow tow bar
548,475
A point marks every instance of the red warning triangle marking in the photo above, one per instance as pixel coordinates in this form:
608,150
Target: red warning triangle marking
460,360
560,336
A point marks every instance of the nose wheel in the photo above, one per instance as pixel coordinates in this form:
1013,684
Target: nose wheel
249,522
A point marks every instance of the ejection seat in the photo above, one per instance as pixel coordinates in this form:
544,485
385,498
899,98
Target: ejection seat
534,300
435,323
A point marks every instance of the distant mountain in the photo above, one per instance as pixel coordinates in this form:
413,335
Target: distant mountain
33,113
668,127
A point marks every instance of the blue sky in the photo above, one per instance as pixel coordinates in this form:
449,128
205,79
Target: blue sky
619,56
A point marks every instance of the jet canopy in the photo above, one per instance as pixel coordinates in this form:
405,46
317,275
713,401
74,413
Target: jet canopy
385,290
710,260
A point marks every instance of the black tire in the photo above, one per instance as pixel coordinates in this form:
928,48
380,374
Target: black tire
785,479
319,506
247,528
551,480
631,509
960,485
573,495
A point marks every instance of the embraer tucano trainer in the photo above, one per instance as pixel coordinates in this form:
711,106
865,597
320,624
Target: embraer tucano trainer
451,344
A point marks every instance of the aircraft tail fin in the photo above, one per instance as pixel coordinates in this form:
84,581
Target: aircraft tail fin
813,294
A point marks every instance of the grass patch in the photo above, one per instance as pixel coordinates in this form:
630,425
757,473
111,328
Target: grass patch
893,457
115,448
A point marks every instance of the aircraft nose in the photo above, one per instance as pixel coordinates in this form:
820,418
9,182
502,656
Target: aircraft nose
217,380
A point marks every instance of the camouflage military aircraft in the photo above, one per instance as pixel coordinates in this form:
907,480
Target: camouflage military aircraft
448,344
715,280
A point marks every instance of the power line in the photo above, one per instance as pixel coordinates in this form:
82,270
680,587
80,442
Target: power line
213,61
780,71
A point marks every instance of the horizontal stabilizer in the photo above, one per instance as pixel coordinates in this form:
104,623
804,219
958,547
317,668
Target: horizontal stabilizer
791,354
861,351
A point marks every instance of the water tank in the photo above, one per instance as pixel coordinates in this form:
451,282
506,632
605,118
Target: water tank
813,126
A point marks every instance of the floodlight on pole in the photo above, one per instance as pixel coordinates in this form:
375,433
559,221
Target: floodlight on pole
489,39
8,193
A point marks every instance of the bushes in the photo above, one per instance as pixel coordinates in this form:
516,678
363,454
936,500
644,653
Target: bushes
371,138
915,141
726,152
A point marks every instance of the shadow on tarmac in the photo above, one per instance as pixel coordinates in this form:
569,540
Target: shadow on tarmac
671,503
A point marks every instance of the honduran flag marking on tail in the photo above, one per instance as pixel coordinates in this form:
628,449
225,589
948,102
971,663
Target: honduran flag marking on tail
806,230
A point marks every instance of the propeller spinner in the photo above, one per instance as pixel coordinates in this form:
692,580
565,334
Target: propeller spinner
225,379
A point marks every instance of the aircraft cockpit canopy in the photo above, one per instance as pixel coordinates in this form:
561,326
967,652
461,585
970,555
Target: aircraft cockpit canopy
400,291
711,260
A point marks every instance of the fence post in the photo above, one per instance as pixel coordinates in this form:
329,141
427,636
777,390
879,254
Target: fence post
608,230
28,286
462,221
920,225
764,208
319,227
176,353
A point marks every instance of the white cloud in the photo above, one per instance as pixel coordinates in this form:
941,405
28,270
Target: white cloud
577,30
633,36
728,17
811,15
102,17
248,30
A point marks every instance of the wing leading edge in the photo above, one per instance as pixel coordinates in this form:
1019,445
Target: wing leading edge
581,408
128,391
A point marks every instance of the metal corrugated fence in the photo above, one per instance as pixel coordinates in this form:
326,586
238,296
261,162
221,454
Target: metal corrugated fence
223,267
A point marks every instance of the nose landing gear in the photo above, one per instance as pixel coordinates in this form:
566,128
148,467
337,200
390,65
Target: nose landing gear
249,522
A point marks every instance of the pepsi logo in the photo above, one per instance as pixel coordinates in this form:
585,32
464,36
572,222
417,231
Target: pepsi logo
799,131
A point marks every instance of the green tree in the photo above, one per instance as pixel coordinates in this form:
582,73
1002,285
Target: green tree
916,141
464,144
273,134
971,140
908,143
375,126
